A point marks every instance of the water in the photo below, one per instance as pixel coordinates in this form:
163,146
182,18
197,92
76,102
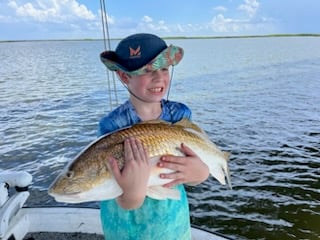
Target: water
257,98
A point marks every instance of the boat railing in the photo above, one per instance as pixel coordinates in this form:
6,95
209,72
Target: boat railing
11,205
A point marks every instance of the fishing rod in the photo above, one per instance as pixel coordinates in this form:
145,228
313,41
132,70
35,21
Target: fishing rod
107,46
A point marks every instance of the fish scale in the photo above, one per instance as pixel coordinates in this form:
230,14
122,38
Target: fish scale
87,177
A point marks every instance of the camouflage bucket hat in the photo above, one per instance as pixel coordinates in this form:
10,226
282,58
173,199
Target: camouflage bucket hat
141,53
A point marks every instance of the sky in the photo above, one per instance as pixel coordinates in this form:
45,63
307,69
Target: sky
79,19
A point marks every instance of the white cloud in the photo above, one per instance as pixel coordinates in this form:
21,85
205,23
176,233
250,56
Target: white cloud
110,19
220,9
79,10
222,25
69,18
147,19
247,24
52,10
180,28
148,24
250,7
41,15
50,19
230,26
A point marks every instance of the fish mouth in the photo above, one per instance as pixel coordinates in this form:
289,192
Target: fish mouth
69,194
52,191
67,197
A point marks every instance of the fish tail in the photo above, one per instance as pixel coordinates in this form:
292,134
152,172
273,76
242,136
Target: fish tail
227,173
221,171
226,168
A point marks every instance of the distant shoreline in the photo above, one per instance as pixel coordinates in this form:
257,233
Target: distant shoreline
176,37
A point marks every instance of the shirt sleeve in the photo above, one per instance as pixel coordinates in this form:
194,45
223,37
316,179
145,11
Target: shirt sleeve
119,118
108,124
176,111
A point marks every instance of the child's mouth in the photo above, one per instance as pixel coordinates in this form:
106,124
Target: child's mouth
156,90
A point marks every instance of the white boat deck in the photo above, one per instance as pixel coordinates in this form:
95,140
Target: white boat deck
21,223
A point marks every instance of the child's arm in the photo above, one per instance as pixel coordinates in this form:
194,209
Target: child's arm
133,178
189,169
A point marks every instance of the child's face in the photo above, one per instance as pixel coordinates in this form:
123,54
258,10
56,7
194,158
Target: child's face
151,86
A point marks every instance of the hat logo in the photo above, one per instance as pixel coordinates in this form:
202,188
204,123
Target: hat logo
135,52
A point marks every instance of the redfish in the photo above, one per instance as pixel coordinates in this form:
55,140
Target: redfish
88,178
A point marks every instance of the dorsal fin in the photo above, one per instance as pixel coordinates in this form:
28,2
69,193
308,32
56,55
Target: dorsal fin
226,155
191,127
186,123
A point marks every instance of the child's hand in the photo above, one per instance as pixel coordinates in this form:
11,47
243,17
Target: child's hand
133,178
189,169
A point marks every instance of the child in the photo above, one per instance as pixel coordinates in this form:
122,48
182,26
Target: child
141,62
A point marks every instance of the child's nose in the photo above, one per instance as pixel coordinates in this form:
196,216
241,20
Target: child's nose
157,74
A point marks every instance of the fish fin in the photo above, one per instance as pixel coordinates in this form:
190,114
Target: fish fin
221,174
162,193
226,169
229,179
226,155
108,190
218,174
227,172
186,123
189,126
192,128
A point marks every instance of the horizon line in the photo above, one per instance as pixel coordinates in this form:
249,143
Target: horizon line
179,37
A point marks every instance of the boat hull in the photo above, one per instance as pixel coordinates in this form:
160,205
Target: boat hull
71,220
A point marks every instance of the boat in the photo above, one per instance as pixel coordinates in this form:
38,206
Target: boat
19,222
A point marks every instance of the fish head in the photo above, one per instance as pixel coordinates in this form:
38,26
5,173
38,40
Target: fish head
70,182
87,171
85,180
72,185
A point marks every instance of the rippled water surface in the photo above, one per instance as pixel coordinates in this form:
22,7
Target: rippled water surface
258,98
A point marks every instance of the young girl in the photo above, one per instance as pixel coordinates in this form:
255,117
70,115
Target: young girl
141,62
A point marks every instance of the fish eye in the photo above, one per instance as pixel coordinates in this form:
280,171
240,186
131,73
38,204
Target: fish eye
69,174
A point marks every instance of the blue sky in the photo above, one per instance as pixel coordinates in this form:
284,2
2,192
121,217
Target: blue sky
69,19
